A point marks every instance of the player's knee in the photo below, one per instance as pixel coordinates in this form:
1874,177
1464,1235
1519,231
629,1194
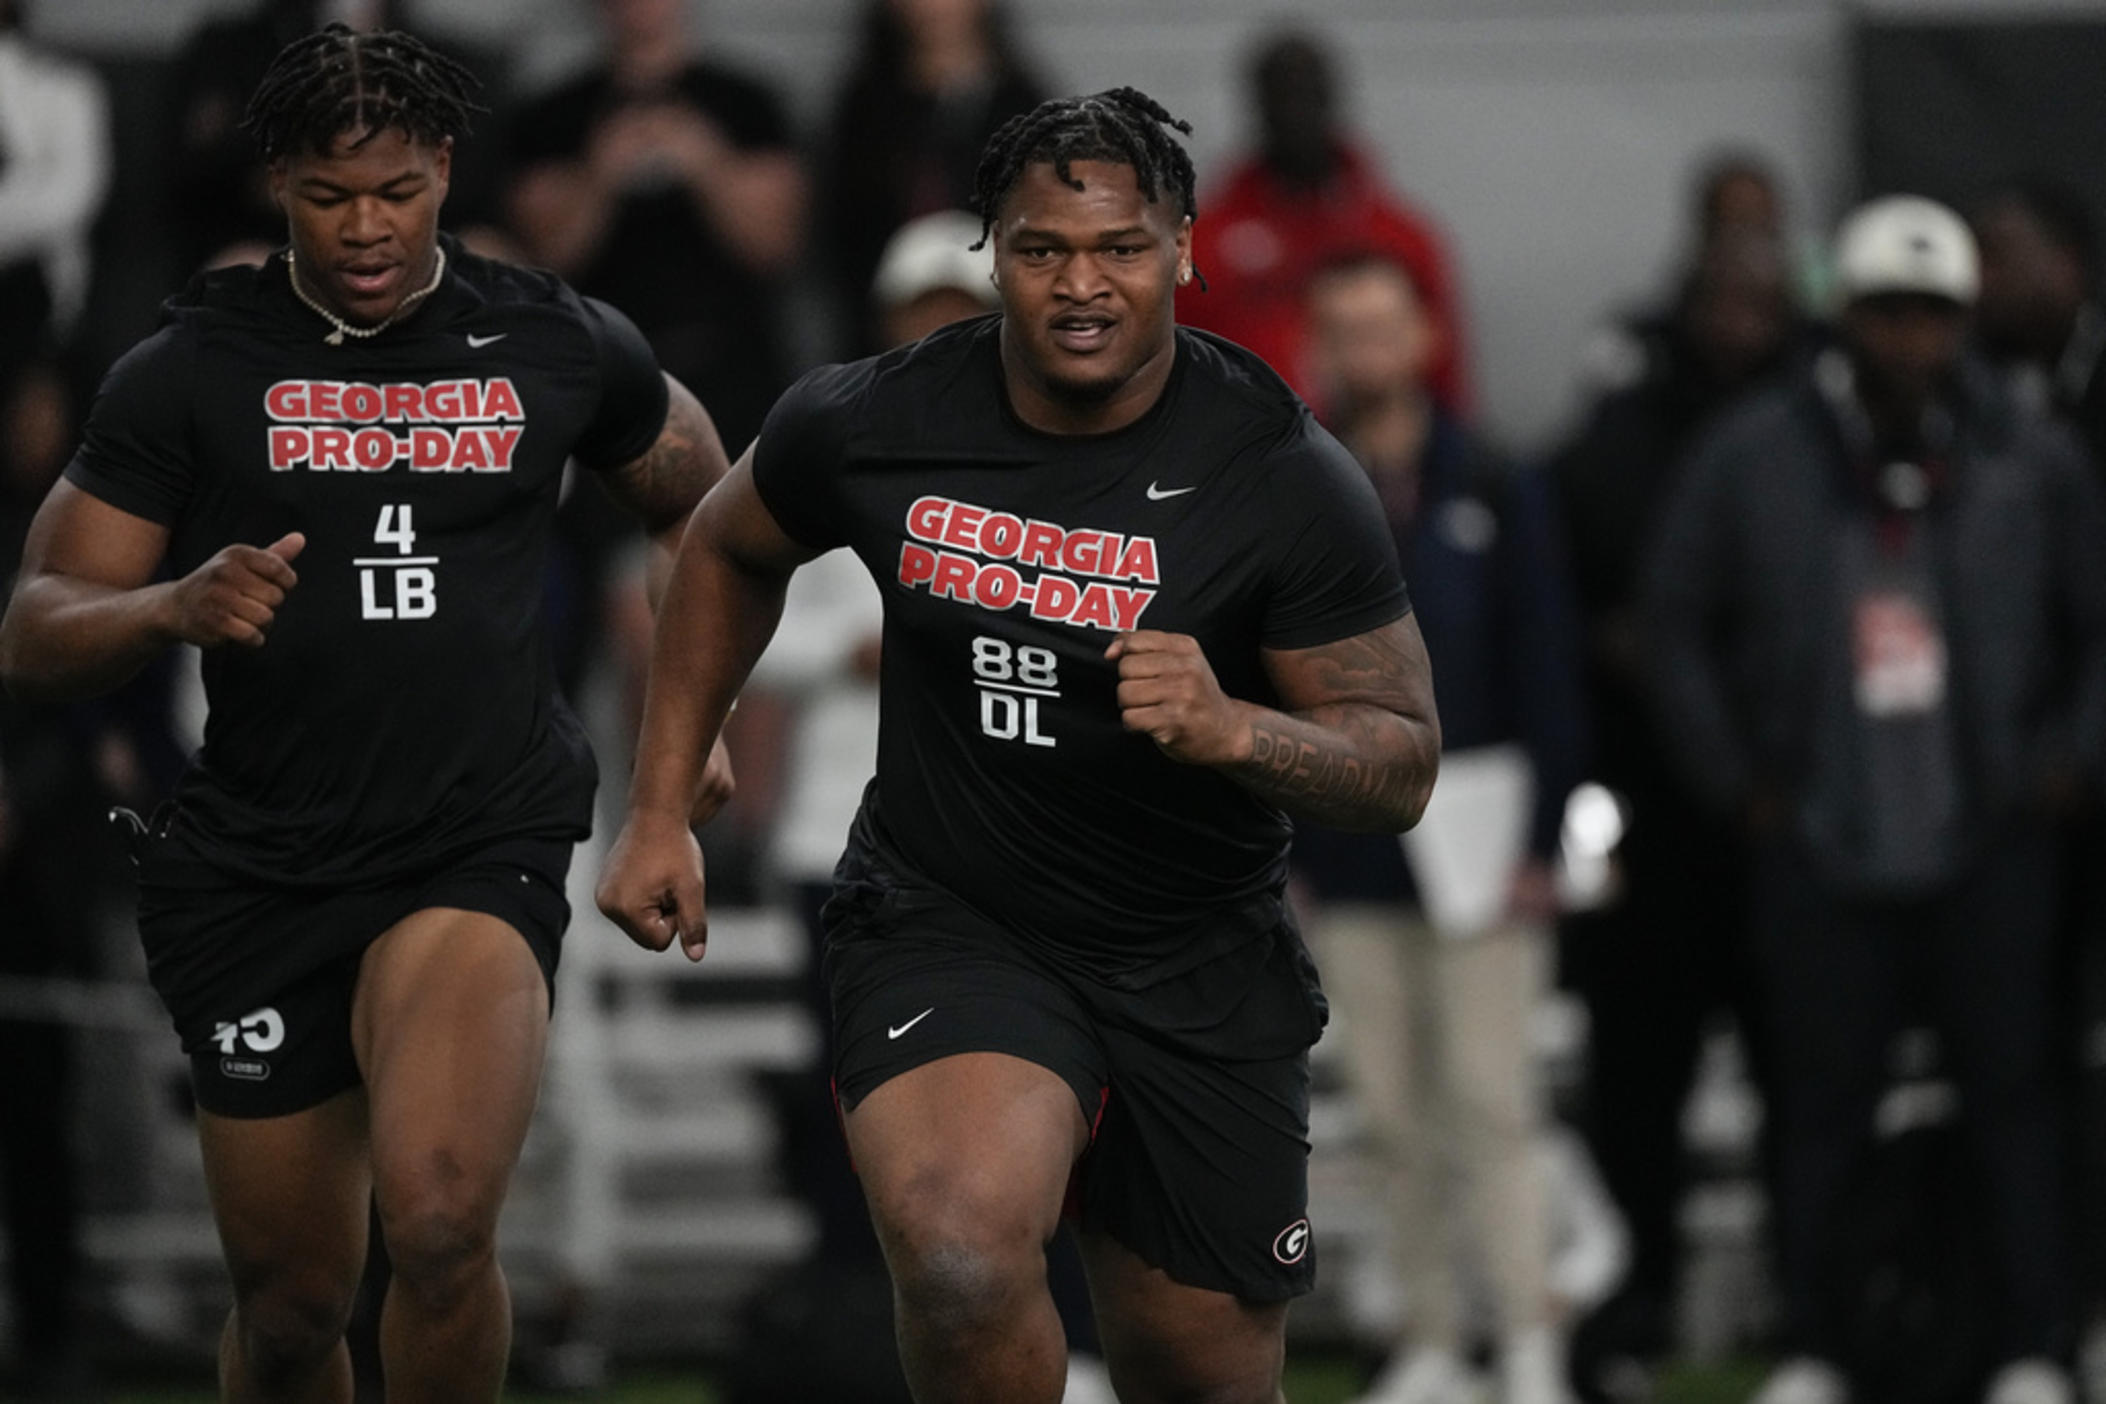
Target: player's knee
441,1237
288,1327
958,1256
1161,1380
1200,1386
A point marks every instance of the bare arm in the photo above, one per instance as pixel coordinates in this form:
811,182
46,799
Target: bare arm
720,609
1354,744
664,483
86,613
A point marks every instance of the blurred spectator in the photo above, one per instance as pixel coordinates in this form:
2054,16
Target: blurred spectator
2039,314
1307,196
1656,965
666,183
1880,646
50,821
54,171
2039,319
1736,192
1734,201
930,82
1436,1016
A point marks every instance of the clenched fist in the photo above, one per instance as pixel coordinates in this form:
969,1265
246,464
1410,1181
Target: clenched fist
234,597
651,886
1167,689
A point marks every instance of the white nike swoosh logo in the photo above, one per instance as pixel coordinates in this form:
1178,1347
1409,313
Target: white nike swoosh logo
1157,494
895,1033
478,342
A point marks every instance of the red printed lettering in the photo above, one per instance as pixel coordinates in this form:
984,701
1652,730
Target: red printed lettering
431,450
469,451
331,448
925,518
1001,535
288,447
1081,554
361,404
1056,597
963,527
1127,604
286,400
502,440
954,577
443,401
1138,563
917,564
1041,545
997,587
502,402
374,449
1095,609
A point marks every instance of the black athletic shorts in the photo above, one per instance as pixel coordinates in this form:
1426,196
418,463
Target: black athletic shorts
258,980
1196,1088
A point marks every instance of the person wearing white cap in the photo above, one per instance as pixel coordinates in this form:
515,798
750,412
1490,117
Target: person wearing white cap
1879,643
934,271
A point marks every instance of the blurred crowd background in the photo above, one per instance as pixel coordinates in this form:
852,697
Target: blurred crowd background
1774,690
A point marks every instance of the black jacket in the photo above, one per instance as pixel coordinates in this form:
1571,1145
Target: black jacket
1750,629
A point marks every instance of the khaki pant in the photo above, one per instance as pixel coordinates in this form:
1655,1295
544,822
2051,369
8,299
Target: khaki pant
1435,1035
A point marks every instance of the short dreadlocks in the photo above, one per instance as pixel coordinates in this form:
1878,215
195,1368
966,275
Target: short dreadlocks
1120,124
337,80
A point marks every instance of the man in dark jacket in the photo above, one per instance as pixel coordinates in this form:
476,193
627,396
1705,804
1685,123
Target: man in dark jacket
1657,963
1880,643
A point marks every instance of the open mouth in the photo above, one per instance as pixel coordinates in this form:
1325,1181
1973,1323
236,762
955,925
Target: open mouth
1082,332
367,281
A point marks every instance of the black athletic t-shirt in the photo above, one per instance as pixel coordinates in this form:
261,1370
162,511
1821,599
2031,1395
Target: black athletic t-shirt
402,711
1009,559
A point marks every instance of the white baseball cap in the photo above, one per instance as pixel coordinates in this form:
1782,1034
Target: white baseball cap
1905,244
932,252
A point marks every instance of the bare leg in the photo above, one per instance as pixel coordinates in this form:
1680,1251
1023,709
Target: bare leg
449,1022
289,1194
1166,1343
965,1162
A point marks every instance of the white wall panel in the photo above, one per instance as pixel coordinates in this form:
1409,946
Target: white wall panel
1553,138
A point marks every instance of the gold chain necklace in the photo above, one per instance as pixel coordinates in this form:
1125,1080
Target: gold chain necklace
344,328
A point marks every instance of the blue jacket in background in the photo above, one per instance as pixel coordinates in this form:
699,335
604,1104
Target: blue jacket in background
1483,557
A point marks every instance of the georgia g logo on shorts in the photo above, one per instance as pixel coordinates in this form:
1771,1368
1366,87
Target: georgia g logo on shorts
1293,1243
260,1031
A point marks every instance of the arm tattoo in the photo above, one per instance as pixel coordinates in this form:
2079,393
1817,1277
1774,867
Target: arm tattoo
663,484
1362,754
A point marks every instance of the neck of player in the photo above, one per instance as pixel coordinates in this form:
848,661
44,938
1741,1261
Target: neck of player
421,280
1051,407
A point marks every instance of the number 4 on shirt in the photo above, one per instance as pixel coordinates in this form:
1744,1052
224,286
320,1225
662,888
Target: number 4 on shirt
415,587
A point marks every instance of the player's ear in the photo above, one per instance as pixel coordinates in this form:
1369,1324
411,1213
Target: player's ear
276,174
442,165
1184,250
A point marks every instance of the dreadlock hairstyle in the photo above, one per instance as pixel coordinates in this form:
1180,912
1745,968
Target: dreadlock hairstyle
1119,124
337,80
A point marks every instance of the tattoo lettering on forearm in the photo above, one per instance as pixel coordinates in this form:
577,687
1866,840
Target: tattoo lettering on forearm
1330,783
1356,742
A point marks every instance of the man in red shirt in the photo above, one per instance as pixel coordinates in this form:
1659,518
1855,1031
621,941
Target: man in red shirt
1310,197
